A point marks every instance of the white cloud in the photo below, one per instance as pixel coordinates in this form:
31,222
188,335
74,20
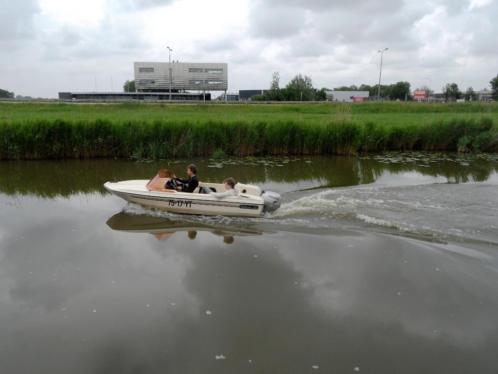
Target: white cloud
88,13
476,4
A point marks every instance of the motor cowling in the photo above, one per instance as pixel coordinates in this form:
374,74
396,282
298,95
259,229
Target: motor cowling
272,201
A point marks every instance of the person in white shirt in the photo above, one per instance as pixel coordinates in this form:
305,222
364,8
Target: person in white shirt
229,189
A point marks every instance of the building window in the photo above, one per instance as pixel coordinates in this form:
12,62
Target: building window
195,82
195,70
147,81
214,71
145,70
214,82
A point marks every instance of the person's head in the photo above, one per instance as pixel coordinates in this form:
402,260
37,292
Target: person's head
228,239
165,173
229,183
191,170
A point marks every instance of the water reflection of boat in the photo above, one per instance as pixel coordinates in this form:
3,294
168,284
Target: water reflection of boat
163,228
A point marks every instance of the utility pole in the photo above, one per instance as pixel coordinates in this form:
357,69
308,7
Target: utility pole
381,51
170,72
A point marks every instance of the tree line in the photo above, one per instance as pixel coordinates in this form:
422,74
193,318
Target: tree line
300,88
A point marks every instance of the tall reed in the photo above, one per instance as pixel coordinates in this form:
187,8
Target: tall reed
164,138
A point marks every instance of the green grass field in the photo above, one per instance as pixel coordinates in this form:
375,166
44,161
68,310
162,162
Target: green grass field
142,130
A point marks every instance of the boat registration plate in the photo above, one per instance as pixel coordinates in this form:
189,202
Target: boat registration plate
180,203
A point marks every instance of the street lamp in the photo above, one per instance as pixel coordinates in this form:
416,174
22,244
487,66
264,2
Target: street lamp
381,51
170,72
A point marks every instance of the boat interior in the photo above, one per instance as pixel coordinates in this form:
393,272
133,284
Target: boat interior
220,187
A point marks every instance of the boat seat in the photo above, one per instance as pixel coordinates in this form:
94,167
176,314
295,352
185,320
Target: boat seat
202,189
248,189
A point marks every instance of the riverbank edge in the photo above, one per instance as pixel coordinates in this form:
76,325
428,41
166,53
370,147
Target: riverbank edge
161,139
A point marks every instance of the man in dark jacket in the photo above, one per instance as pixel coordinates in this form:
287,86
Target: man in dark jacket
190,184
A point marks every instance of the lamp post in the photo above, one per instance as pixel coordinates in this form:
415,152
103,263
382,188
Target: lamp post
381,51
170,72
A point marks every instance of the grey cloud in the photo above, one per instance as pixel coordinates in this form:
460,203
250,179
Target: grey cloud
277,22
335,22
373,34
217,45
16,19
69,37
363,6
309,48
364,26
129,5
485,29
68,43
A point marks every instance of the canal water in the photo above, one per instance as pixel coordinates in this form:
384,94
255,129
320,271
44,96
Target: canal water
380,264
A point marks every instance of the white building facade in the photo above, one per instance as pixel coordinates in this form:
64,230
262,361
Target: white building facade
155,76
347,96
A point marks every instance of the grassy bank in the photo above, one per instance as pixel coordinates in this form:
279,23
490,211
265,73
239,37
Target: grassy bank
37,131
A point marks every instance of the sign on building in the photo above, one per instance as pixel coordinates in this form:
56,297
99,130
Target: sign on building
420,95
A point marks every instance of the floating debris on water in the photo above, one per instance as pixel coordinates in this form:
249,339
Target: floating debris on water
315,367
220,357
356,368
208,312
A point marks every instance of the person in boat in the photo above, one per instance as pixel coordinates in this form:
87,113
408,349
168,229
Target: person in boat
161,181
190,184
229,189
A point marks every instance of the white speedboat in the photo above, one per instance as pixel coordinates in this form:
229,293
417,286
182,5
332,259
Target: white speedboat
249,202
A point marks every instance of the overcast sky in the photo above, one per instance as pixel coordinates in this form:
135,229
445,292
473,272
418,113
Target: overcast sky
47,46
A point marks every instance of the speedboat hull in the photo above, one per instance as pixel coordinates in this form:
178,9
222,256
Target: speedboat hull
244,205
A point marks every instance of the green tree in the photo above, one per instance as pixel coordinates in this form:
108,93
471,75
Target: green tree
366,87
385,91
470,94
346,88
300,88
129,86
494,88
321,94
399,91
452,92
275,92
4,94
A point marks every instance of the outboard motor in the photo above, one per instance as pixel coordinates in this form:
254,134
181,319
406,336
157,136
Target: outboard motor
272,201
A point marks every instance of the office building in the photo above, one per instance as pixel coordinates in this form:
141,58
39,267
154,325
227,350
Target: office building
157,76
